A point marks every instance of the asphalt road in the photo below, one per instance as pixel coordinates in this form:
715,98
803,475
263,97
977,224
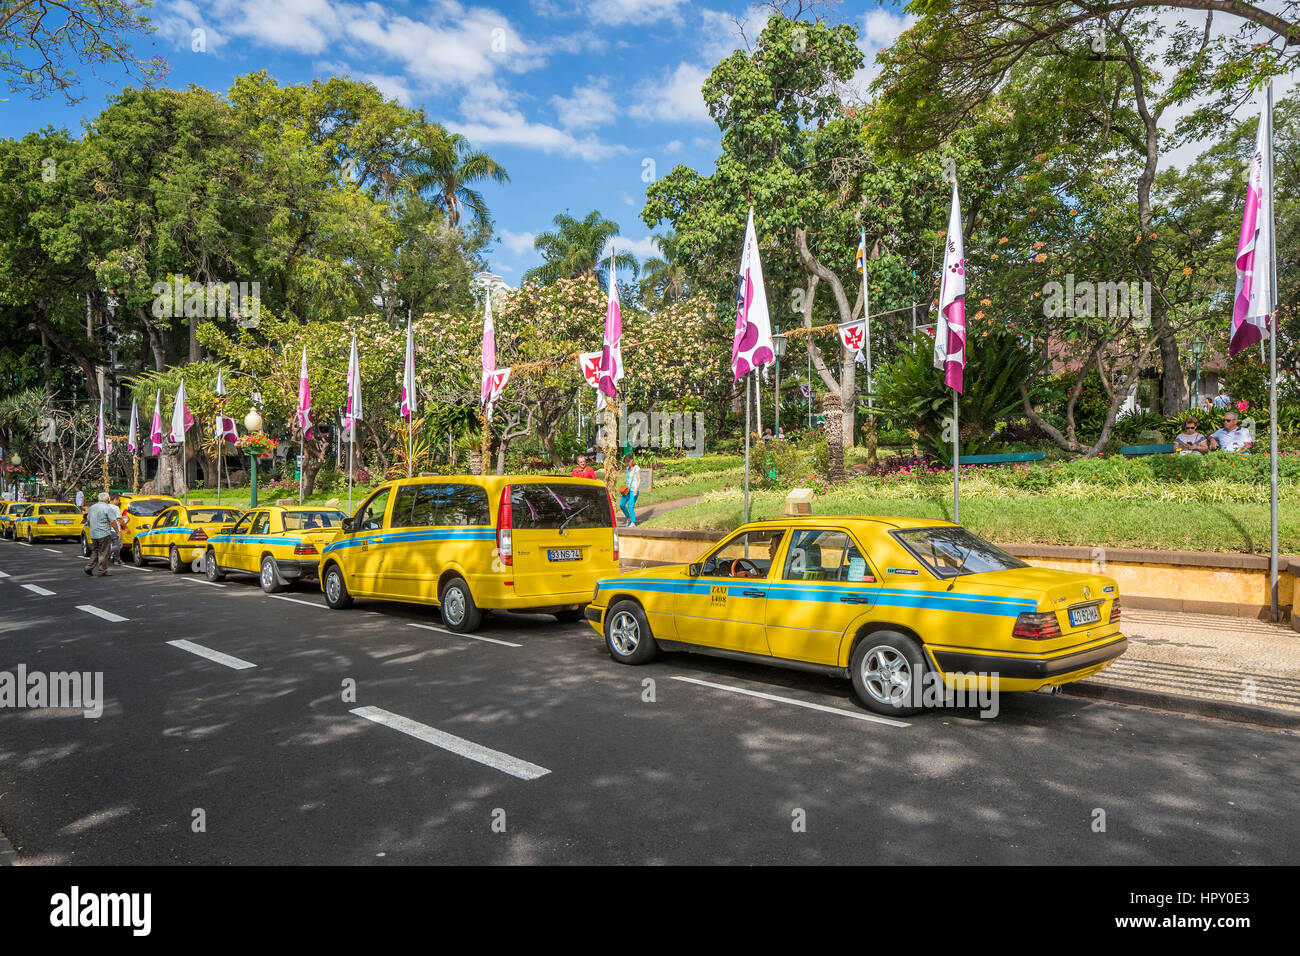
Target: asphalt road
529,745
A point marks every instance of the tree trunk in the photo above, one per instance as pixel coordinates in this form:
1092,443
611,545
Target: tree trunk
832,408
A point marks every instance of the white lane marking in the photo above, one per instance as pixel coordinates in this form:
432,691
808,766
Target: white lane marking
212,655
24,544
457,745
54,550
3,575
132,567
100,612
888,721
473,637
211,584
37,589
281,597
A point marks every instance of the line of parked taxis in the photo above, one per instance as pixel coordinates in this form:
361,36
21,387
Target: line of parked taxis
884,602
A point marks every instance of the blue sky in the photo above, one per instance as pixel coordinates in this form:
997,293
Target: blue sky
583,101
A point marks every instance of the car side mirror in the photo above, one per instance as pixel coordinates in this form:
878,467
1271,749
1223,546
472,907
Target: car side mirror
348,526
694,570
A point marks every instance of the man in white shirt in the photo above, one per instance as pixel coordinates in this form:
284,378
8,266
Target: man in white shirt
1231,437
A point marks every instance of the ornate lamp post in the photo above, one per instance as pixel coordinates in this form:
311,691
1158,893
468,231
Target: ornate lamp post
778,346
253,423
1198,349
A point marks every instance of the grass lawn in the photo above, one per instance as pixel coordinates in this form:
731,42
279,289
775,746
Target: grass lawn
1039,519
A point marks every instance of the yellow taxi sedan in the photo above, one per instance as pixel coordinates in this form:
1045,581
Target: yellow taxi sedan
280,544
9,512
43,521
180,535
888,603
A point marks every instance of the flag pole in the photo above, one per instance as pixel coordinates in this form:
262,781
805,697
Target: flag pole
302,460
1272,366
220,439
956,451
352,430
747,397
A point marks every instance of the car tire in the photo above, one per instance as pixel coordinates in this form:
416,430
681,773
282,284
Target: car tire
174,561
85,547
627,634
269,575
887,669
31,539
137,556
459,612
336,589
570,616
210,569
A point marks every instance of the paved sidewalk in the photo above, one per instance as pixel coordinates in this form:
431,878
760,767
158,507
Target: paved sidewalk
1226,667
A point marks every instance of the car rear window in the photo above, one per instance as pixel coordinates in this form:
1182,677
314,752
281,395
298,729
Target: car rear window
60,510
947,551
552,504
148,507
312,520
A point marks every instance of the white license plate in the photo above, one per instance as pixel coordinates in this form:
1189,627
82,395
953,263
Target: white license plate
1085,615
63,521
564,554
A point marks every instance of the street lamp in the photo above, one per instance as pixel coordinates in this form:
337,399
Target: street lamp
778,345
253,423
1198,348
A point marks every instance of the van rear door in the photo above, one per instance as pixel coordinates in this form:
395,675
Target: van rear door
562,539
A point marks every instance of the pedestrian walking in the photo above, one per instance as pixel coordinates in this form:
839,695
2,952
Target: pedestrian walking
629,491
101,521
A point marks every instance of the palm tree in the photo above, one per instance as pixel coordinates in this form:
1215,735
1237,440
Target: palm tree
664,279
444,168
574,250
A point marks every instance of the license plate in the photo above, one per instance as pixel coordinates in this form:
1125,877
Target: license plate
63,521
1085,615
564,554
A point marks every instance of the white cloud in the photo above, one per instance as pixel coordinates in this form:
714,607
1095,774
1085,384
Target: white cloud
877,31
589,106
305,26
178,22
643,249
634,12
673,146
674,98
520,243
721,34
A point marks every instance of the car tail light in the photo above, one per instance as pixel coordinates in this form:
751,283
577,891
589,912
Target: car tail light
1037,627
505,536
305,547
1114,610
41,520
198,534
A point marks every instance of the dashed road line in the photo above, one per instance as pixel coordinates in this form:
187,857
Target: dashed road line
3,575
100,612
281,597
457,745
472,637
872,718
210,654
54,550
37,589
211,584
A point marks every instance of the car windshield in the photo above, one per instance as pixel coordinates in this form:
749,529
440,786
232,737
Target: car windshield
556,504
148,507
209,515
312,520
947,551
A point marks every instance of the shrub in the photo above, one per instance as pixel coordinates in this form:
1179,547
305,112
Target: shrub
1178,467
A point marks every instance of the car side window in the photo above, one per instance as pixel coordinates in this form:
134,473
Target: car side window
463,505
820,554
372,512
242,526
261,522
416,506
747,555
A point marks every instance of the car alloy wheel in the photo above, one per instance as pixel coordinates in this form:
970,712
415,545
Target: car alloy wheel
887,675
85,547
887,669
174,560
30,537
137,556
627,634
624,633
270,576
210,570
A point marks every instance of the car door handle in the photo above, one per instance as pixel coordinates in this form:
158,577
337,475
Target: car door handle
754,593
855,599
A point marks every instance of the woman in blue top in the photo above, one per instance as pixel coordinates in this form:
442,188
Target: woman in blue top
628,501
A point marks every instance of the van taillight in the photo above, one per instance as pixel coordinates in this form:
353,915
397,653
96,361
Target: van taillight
1037,627
505,542
198,534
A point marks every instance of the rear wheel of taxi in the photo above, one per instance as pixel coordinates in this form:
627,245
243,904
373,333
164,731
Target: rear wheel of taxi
627,634
85,547
336,589
174,561
210,569
269,575
137,556
459,612
887,670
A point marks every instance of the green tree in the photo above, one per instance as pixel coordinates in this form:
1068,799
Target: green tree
574,250
444,169
664,276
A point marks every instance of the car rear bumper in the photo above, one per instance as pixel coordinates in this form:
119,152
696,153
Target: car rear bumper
1032,673
297,570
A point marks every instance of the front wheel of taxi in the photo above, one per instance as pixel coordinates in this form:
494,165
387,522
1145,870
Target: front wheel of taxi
887,670
269,576
85,547
459,612
31,539
137,556
210,569
336,589
627,634
174,561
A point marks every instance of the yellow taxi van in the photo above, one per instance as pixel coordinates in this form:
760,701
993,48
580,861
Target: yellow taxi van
469,544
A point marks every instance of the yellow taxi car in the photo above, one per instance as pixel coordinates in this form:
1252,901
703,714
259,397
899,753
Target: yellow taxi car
881,601
49,520
279,544
180,535
139,512
9,511
472,543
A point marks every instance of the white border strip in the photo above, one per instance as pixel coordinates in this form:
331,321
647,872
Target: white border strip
210,654
100,612
281,597
457,745
473,637
887,721
37,589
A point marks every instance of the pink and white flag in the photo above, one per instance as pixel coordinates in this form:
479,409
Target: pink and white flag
751,346
181,417
155,431
853,334
950,332
408,376
352,413
611,352
304,399
133,435
496,383
103,448
488,365
225,426
1256,288
589,365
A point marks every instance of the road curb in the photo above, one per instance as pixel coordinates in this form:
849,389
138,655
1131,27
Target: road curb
1222,710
